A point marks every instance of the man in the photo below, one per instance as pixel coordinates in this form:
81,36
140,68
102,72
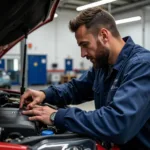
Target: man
119,83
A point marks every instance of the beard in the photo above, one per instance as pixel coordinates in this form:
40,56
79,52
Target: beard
102,56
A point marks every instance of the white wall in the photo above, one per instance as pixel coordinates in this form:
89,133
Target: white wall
14,52
135,29
147,29
57,42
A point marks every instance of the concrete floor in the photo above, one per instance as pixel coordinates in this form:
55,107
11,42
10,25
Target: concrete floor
85,106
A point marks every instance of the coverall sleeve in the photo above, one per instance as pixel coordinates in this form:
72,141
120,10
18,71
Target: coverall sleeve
74,92
123,118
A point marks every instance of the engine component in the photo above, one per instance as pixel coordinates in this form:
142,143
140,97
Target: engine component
12,120
3,97
67,144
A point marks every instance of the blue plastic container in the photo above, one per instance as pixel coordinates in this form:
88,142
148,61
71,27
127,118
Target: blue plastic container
47,132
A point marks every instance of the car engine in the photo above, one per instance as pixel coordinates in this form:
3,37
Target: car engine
14,126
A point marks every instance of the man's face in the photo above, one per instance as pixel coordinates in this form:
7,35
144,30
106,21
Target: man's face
92,48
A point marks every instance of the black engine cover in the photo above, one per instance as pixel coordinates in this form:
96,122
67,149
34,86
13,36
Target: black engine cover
12,120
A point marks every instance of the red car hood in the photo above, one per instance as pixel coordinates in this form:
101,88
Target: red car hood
20,16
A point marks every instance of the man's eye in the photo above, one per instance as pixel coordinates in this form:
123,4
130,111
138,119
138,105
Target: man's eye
85,45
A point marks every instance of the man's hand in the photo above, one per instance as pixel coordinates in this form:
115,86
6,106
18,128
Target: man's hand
32,97
40,113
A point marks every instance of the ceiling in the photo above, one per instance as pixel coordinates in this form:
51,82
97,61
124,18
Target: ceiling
117,6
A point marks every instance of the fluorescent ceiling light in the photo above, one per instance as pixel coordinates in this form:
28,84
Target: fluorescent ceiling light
126,20
102,2
56,15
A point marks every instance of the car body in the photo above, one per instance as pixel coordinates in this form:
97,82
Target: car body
18,19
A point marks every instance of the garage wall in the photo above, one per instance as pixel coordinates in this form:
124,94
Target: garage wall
57,42
135,29
147,29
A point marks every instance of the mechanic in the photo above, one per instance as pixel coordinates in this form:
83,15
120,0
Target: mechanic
119,83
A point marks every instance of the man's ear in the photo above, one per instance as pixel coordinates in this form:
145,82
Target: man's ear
103,36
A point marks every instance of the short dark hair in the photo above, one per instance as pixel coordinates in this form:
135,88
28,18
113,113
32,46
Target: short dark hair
94,19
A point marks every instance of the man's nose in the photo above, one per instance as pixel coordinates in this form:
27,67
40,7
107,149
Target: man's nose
83,52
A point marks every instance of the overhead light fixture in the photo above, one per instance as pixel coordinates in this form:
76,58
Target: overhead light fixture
56,15
102,2
126,20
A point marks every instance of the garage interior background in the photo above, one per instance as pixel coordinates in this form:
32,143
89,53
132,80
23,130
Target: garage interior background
56,43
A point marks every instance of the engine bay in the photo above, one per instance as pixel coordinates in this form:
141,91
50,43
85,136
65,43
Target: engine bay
14,126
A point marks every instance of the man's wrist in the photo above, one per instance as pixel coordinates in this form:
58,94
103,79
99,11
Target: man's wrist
52,117
60,119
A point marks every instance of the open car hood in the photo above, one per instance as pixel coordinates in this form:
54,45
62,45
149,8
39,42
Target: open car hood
22,16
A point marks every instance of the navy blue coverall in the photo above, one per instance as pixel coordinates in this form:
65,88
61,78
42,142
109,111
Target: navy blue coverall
122,99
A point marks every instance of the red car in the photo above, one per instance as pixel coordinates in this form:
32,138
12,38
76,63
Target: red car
18,19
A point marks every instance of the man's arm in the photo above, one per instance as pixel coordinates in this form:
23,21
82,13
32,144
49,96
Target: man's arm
73,92
123,118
